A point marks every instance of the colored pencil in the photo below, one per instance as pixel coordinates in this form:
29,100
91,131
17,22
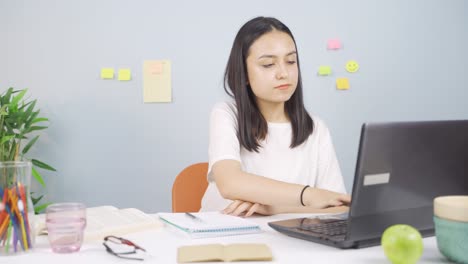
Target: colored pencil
7,247
15,239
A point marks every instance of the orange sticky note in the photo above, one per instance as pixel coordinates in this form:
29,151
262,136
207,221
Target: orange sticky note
342,83
334,44
156,68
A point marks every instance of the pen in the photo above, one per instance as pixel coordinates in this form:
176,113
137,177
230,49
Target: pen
193,217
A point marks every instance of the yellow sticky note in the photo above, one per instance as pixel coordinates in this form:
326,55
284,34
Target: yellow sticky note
157,81
125,75
107,73
342,83
324,70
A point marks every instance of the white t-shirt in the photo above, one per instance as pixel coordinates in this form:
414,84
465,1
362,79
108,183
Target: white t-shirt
312,163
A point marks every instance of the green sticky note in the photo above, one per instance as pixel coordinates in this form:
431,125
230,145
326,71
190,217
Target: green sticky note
324,70
107,73
125,75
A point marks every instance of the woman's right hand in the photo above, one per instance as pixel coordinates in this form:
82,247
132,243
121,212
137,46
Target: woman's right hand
246,209
321,198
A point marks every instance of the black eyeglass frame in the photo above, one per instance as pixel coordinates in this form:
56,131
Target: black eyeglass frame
120,240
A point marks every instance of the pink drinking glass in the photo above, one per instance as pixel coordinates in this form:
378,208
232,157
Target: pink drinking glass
65,226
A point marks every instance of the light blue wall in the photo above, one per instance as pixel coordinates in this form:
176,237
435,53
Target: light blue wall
111,148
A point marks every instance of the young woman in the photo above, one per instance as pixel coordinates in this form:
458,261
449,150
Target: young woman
266,154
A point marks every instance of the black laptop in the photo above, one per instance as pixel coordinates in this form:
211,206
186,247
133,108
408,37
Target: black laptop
401,167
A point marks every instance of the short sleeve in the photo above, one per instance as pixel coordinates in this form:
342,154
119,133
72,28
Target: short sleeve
223,141
329,174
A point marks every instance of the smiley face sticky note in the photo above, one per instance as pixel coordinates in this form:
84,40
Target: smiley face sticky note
342,83
352,66
324,70
125,75
334,44
107,73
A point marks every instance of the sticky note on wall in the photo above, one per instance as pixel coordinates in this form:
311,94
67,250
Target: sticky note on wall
342,83
107,73
156,68
157,81
324,70
125,75
352,66
334,44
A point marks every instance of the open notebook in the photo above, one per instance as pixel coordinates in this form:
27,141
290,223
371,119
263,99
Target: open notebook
108,220
210,224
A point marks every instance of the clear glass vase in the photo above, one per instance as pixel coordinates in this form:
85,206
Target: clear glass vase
16,208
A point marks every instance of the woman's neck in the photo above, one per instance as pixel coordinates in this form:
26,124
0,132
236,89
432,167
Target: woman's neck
273,112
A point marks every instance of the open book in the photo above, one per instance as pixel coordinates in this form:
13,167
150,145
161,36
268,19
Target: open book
108,220
218,252
209,224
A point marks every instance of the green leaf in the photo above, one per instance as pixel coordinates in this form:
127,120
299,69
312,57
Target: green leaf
35,128
7,96
12,151
38,177
39,119
30,119
6,138
35,200
38,209
29,145
3,110
17,98
26,104
14,117
42,165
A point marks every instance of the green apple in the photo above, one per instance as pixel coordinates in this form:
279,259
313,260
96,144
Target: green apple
402,244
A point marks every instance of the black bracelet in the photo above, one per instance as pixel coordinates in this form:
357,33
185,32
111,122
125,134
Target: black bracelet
302,194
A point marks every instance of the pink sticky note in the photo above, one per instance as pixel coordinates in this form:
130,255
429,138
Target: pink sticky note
156,68
334,44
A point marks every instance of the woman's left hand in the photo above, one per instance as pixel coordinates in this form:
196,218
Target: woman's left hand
239,207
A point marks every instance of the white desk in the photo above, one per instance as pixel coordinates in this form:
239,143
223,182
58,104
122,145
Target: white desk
162,245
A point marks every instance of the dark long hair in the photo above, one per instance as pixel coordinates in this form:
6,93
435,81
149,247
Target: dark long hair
252,126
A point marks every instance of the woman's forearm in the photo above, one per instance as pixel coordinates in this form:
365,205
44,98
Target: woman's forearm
235,184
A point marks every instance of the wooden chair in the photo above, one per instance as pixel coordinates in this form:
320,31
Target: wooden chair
189,187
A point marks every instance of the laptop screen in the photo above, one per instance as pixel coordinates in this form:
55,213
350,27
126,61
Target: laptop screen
403,165
401,168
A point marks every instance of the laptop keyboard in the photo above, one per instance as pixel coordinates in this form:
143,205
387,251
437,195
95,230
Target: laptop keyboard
326,227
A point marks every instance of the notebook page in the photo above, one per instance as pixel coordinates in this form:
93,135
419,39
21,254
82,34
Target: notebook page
209,221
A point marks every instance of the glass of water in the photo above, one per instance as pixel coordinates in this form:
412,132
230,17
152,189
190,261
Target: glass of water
65,226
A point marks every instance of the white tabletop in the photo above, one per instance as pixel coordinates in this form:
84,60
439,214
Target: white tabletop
162,245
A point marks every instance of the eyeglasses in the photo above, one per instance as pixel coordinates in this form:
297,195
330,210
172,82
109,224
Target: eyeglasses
122,248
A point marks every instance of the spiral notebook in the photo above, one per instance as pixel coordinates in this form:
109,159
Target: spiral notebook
209,224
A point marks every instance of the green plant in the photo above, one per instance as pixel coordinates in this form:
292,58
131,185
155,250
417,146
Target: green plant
18,120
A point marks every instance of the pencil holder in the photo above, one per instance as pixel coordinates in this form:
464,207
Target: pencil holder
16,208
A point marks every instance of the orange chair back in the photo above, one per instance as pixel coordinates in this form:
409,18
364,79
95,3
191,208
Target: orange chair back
189,187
